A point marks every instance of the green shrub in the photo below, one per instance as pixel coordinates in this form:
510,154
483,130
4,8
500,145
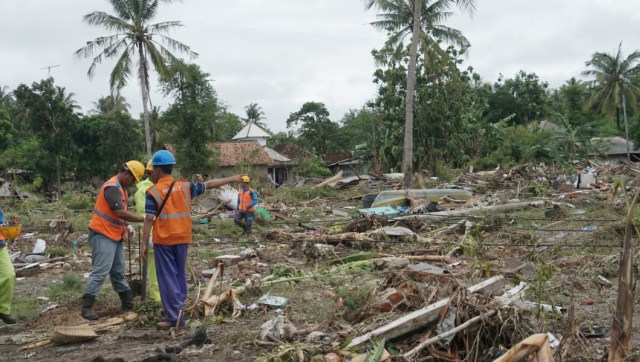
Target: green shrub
78,201
313,167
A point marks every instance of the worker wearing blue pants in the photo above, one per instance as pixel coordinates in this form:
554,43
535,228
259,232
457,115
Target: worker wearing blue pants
168,210
171,263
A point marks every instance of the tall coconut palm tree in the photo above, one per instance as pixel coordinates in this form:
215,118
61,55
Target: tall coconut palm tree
134,38
615,79
255,115
398,18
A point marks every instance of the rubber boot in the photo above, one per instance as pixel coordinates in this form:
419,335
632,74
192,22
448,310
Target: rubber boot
87,304
127,300
8,318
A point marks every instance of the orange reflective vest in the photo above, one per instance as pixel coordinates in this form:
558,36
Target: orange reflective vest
244,200
173,225
104,220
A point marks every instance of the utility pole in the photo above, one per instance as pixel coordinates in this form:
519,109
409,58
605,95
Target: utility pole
49,69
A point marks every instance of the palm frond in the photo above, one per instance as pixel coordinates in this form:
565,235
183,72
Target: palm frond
163,28
107,52
122,70
176,45
108,22
124,8
159,57
92,46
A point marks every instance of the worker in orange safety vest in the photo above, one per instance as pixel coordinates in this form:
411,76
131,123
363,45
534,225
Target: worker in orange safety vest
168,210
247,200
107,230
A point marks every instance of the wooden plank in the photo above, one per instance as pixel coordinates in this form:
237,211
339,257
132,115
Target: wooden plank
421,317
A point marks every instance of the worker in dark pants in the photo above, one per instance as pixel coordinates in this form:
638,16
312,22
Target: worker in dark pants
247,200
107,230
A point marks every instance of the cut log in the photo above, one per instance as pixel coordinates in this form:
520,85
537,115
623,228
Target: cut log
421,317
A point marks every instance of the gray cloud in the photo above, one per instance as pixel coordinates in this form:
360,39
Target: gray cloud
282,53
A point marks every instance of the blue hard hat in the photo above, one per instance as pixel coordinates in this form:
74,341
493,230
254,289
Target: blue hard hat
163,157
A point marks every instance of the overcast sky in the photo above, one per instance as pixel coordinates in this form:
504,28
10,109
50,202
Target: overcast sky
282,53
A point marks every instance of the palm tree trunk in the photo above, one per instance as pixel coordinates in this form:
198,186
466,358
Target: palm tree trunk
407,157
626,126
145,100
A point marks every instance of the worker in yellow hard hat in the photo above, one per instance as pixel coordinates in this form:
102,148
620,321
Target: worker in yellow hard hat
247,200
107,230
140,197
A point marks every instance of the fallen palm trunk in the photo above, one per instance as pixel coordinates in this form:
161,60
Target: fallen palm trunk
441,215
537,344
421,317
337,177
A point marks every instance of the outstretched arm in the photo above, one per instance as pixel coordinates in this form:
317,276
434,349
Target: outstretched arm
215,183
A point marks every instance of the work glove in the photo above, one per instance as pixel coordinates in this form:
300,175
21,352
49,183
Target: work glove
131,231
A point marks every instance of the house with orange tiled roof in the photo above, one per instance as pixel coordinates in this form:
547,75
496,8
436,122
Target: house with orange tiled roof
248,153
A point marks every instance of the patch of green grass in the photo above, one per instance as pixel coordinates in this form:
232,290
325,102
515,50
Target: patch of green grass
303,193
27,308
224,229
209,254
69,288
57,251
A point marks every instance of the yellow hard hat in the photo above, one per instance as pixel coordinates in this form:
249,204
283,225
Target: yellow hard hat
149,166
246,179
136,168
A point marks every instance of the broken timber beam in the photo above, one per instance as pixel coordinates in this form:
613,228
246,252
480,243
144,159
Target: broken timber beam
421,317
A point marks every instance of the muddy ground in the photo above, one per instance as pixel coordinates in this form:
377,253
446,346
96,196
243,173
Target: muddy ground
568,254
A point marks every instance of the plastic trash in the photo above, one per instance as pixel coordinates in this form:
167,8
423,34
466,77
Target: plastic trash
228,196
40,246
590,228
272,301
264,212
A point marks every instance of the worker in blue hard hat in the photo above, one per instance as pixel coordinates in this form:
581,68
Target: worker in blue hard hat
168,210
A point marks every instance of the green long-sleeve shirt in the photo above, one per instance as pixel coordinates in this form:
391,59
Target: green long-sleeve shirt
141,195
